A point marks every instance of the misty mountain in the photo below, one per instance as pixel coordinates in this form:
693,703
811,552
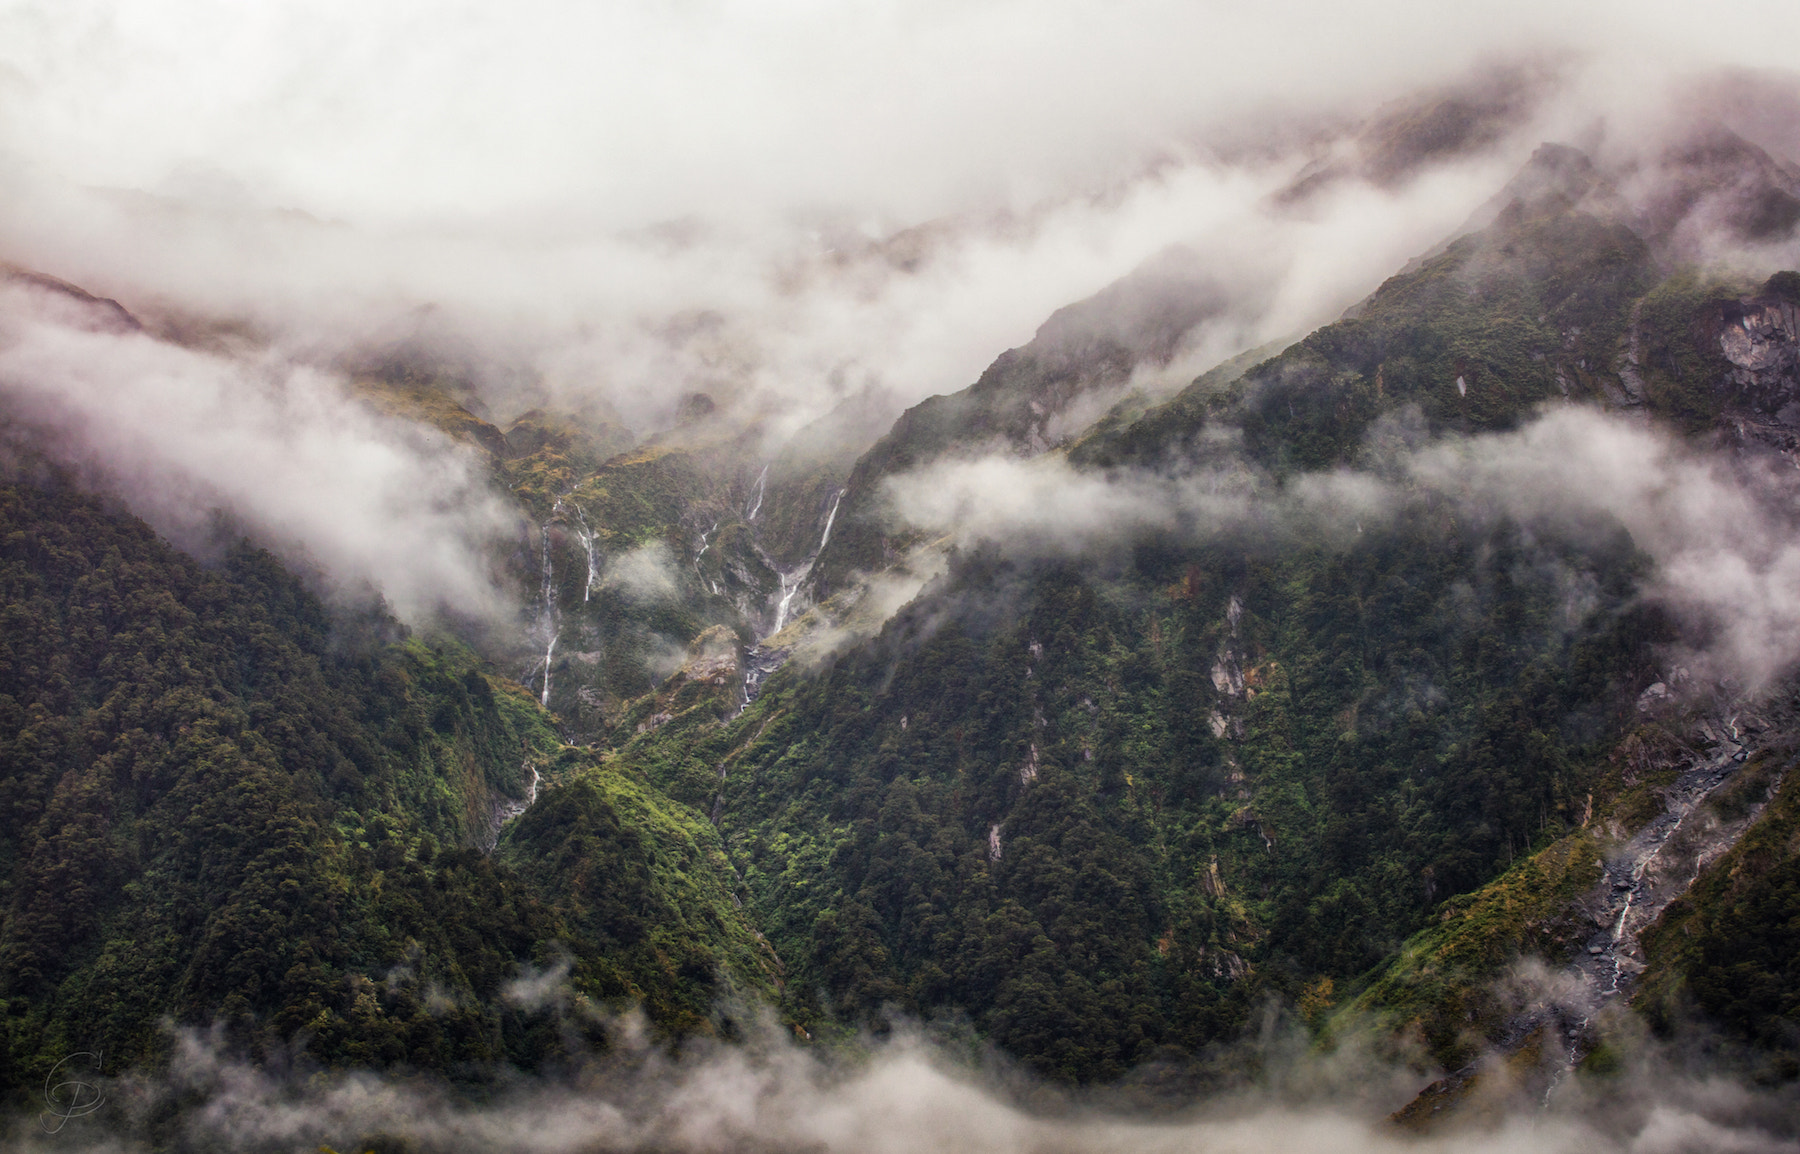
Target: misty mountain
1417,686
1030,399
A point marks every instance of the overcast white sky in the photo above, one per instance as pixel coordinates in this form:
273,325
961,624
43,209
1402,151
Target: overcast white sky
407,111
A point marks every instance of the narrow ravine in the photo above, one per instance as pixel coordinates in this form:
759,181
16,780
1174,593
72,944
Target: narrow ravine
761,660
1641,877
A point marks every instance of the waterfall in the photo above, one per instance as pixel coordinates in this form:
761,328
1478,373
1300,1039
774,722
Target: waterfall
704,546
548,620
760,662
828,520
762,481
587,543
792,579
787,593
511,809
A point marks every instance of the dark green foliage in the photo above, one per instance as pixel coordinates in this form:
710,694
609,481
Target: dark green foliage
1440,987
1532,309
1421,708
218,803
1100,807
1476,337
643,882
1682,369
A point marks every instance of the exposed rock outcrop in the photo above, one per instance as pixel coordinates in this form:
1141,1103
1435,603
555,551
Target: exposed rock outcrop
1761,339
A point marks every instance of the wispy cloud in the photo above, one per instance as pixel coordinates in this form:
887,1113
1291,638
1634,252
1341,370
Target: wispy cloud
380,505
780,207
903,1096
1720,530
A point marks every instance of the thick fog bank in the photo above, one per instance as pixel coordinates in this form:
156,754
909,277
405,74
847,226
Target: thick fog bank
785,209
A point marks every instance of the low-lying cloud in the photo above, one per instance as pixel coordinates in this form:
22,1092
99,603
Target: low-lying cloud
784,209
646,573
1720,529
380,505
777,207
902,1096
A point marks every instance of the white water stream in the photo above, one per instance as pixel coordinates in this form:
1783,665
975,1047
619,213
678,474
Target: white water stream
505,811
793,578
832,516
762,481
790,585
761,662
704,546
587,543
1632,894
513,809
549,621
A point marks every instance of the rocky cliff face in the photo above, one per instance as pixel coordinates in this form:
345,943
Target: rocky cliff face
1761,339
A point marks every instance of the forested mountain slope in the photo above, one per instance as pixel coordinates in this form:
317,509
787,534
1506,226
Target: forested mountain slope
224,803
1105,804
1304,714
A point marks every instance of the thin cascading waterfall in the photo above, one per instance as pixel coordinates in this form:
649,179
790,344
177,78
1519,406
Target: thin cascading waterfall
511,809
830,517
762,481
587,543
704,546
791,581
549,619
790,585
1630,876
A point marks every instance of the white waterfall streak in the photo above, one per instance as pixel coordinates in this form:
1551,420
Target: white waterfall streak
762,481
704,546
548,620
511,809
790,585
587,543
795,577
828,520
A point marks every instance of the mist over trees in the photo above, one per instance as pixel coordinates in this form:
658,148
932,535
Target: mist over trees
706,578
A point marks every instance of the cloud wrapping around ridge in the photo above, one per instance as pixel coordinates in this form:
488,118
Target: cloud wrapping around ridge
853,193
1722,534
781,206
374,502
